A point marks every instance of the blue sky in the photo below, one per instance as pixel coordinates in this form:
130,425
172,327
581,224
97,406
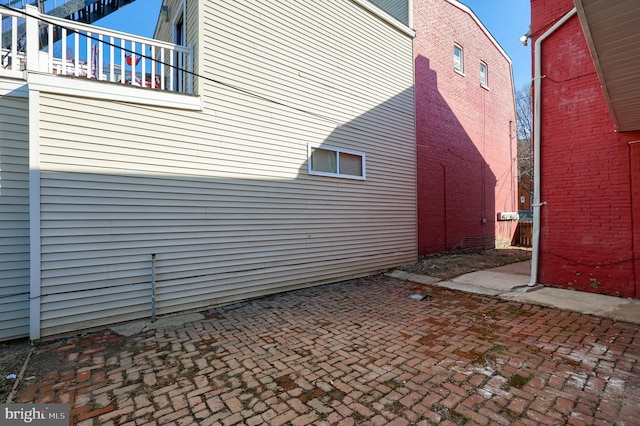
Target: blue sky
507,20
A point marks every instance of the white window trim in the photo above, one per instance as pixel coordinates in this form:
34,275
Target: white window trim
484,84
461,70
180,15
310,147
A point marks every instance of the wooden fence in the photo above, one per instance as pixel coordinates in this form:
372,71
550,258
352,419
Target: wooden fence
524,233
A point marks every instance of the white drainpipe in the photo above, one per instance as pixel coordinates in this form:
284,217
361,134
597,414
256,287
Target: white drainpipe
537,107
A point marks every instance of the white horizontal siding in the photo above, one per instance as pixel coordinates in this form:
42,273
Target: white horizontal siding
399,9
14,218
223,196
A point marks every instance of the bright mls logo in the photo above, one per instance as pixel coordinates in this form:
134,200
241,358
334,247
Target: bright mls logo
34,414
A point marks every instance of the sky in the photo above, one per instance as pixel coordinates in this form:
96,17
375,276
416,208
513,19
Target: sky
506,20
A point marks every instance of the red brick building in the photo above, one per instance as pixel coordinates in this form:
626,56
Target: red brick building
525,191
589,144
466,140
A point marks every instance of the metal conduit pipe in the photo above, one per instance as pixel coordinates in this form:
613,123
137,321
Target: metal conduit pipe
153,287
537,108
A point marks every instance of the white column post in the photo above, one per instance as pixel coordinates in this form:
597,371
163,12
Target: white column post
33,43
34,214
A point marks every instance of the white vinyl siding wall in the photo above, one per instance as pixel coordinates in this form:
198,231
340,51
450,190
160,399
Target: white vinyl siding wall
14,218
223,196
399,9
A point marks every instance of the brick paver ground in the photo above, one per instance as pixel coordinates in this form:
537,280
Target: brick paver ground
357,352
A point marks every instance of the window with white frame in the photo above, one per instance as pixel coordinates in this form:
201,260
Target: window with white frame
484,75
179,38
336,162
458,58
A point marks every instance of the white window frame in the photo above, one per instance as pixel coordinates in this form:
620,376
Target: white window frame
484,83
180,17
458,69
338,151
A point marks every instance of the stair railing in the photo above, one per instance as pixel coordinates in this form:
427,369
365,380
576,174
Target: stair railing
92,52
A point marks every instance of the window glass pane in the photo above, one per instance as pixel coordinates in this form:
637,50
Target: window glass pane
457,58
483,74
350,164
323,160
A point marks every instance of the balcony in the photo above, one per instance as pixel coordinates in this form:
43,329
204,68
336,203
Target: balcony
35,42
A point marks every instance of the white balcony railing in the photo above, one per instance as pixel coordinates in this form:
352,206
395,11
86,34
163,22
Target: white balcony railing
33,41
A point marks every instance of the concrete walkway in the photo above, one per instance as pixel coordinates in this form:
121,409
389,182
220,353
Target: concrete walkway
500,282
357,352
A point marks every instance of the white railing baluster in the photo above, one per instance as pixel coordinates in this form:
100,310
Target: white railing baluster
15,64
112,58
123,76
100,57
153,67
76,50
172,72
133,63
89,60
162,69
64,51
143,68
50,47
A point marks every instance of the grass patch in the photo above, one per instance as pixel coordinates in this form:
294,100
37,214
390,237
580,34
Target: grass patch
447,414
450,265
499,349
517,381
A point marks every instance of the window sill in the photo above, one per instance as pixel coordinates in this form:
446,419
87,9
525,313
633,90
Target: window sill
335,175
484,86
459,72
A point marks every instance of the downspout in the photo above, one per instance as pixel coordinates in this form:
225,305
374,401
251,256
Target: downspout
537,108
444,195
636,291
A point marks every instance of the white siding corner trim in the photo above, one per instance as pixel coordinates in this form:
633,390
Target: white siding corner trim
34,214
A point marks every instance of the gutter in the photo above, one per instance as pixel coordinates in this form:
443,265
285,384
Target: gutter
537,108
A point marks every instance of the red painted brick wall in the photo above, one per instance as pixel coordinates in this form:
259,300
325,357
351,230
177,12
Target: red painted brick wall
466,138
587,232
525,191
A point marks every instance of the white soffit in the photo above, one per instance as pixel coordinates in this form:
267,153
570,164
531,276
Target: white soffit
612,30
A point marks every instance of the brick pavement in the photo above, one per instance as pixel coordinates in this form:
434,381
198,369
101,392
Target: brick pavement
356,352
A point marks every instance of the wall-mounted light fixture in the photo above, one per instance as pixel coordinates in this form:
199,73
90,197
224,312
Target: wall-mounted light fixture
164,12
525,38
